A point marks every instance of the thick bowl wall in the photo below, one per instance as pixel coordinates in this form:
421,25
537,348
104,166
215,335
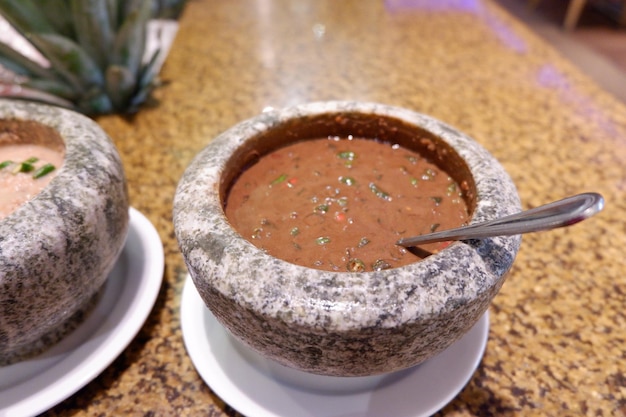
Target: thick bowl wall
57,249
340,323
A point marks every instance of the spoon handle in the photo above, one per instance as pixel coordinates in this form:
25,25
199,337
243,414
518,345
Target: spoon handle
560,213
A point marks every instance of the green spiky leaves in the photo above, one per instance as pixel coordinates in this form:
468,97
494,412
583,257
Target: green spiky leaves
95,51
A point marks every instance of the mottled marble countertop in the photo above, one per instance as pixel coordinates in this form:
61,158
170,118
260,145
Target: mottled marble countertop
558,328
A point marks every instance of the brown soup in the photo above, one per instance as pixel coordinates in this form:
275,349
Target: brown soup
340,204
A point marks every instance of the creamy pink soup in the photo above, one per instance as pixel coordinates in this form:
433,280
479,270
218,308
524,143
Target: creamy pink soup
25,170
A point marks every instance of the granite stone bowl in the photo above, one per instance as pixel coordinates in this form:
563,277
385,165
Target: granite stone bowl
57,249
342,323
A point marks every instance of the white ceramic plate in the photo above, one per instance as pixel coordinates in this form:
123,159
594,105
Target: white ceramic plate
238,375
33,386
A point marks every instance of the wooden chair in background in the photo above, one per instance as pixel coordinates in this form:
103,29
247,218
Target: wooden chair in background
616,9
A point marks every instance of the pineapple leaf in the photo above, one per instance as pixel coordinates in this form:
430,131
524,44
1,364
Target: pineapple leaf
13,67
96,51
95,102
130,41
69,60
120,85
53,87
148,81
93,28
141,96
25,16
113,7
19,64
150,70
26,93
128,8
59,15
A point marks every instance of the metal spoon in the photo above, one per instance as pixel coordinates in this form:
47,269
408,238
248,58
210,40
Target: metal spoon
560,213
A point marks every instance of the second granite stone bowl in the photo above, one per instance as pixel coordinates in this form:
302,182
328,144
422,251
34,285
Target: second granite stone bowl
57,249
342,323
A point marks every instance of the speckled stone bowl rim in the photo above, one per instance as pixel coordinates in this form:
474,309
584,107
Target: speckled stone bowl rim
371,296
64,121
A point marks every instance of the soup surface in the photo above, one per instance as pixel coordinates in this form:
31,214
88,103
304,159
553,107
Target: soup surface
25,169
340,204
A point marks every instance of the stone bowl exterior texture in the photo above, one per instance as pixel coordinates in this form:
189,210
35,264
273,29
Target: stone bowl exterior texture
340,323
57,249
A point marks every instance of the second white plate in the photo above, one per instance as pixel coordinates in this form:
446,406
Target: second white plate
33,386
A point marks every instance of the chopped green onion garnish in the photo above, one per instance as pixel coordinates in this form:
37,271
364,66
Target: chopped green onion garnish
23,167
437,200
379,193
43,171
355,265
32,160
428,174
347,180
412,159
322,240
380,264
294,231
5,164
434,227
347,155
322,208
364,241
280,179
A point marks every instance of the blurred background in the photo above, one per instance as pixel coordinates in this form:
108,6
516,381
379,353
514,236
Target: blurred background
596,41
